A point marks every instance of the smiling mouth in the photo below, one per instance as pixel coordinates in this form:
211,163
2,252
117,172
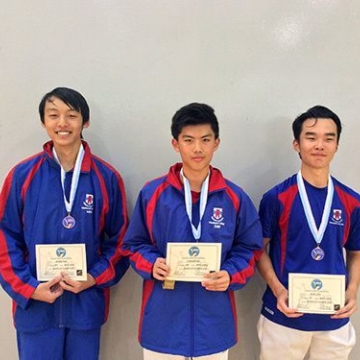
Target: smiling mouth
62,132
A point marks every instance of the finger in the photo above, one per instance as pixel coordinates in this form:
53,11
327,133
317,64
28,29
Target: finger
345,309
54,281
163,271
68,285
64,275
160,262
68,280
291,313
211,275
293,316
160,275
344,312
214,285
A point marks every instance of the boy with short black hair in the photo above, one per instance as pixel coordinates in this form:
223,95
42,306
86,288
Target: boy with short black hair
64,196
192,203
307,221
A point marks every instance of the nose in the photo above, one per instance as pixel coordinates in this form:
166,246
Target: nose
197,147
62,121
320,144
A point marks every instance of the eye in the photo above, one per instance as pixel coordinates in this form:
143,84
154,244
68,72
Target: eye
73,116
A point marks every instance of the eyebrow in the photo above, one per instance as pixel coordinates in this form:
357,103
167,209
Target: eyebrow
307,133
54,108
51,108
190,136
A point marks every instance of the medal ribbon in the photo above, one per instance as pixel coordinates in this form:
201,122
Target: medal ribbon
188,202
318,234
74,180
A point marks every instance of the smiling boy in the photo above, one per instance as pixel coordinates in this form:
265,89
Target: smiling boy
194,320
62,195
307,221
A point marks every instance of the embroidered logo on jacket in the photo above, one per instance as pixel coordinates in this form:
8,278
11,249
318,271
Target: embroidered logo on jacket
336,218
217,218
88,204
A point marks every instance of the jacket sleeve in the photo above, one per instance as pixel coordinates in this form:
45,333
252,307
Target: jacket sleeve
112,264
15,274
138,243
247,245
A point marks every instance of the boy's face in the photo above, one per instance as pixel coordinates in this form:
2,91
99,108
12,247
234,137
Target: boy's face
318,143
63,124
196,145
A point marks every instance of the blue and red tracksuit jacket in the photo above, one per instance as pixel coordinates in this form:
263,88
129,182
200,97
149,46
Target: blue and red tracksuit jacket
291,242
190,320
31,212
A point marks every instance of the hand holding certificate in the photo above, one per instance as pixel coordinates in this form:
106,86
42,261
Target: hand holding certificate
51,260
316,293
190,261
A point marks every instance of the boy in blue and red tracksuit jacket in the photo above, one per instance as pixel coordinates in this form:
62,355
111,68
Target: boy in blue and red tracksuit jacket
195,318
64,322
308,221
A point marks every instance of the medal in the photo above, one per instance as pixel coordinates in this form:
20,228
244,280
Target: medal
318,234
69,222
317,253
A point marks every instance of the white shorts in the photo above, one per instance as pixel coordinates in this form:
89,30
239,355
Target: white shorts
152,355
281,342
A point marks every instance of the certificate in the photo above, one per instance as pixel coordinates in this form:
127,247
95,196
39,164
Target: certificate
52,259
190,261
316,293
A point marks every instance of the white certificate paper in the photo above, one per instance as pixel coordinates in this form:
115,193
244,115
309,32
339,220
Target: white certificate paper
316,293
190,261
52,259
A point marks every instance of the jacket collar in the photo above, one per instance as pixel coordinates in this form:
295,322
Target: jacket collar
86,164
217,181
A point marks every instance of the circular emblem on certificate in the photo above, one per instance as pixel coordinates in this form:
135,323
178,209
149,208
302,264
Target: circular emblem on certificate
194,251
316,284
60,252
69,222
317,253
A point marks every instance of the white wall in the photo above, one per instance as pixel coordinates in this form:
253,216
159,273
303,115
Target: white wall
258,63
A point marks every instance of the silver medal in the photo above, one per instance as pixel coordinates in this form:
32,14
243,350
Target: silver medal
317,253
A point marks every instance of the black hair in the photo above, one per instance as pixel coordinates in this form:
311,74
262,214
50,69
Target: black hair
316,112
194,114
71,98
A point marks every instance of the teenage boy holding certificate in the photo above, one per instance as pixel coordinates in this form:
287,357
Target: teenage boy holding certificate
307,221
58,198
196,206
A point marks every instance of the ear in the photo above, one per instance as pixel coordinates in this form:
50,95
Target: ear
216,144
86,125
175,145
296,146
